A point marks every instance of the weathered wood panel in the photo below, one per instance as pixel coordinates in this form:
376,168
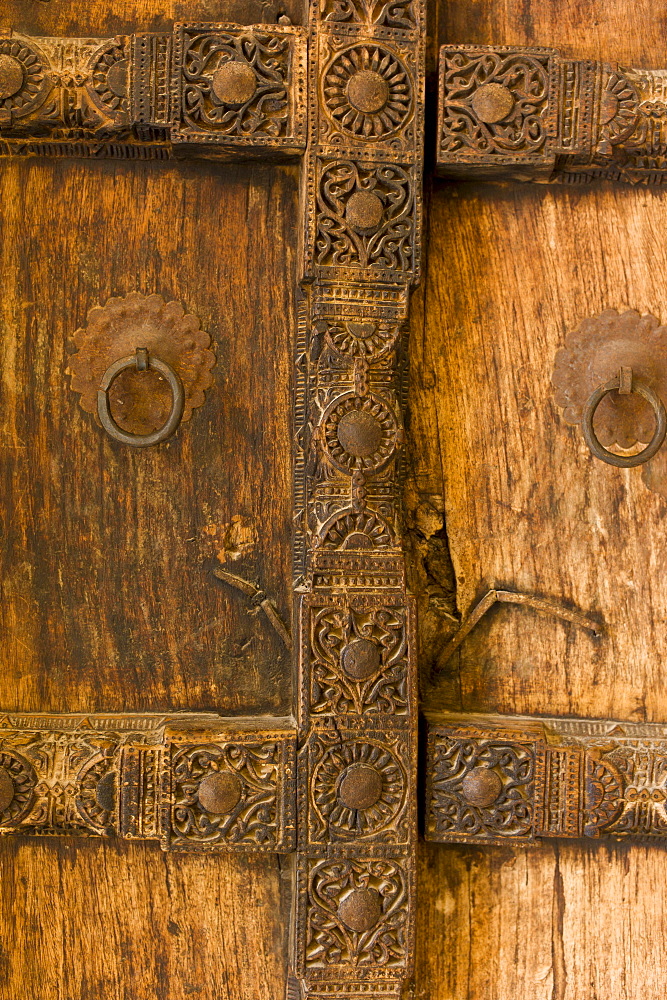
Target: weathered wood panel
510,270
89,920
109,601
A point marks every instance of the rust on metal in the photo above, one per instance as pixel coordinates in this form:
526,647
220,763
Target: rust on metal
511,779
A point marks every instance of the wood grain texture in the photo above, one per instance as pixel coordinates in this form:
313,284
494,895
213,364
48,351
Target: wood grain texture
97,20
119,921
109,600
510,269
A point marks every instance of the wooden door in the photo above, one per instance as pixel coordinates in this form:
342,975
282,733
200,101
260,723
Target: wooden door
109,600
241,589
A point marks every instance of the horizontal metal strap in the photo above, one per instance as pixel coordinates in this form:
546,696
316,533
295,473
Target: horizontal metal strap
495,779
192,782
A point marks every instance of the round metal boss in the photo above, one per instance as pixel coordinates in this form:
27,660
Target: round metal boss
624,461
141,360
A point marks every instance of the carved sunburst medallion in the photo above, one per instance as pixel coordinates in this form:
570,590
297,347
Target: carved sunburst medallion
618,112
96,799
23,80
357,530
360,433
17,781
358,788
366,339
110,78
367,92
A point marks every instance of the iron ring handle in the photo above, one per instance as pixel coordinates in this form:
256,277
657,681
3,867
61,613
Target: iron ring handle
141,360
624,461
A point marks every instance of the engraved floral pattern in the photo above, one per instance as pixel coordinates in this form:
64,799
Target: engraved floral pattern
333,817
22,776
522,82
343,637
451,811
30,75
367,92
330,942
96,798
352,529
381,424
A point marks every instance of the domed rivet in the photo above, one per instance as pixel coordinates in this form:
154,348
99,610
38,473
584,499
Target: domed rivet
492,102
359,433
220,792
7,789
234,82
360,787
481,787
11,76
364,210
367,91
360,659
361,909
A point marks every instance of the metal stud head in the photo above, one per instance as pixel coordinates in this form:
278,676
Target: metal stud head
481,787
360,787
220,792
361,909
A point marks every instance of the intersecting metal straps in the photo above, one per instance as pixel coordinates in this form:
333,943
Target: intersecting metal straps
531,114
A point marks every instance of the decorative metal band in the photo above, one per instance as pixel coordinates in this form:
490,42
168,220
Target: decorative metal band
530,114
493,779
216,90
193,782
358,701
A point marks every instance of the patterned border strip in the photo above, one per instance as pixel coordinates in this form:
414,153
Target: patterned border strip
217,90
361,190
498,780
529,114
193,782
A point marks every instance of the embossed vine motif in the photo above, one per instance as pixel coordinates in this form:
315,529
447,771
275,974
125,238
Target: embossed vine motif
237,84
391,13
495,103
359,662
252,818
365,216
337,929
510,813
